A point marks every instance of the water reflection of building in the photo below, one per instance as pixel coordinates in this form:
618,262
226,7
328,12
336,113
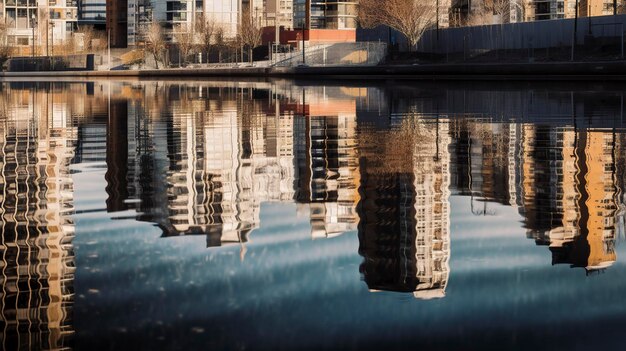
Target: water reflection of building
563,180
593,248
206,163
194,175
404,209
483,161
37,142
326,162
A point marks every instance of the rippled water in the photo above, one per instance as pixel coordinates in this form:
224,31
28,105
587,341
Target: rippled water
311,215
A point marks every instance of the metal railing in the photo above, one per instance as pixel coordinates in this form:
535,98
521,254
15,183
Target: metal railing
338,54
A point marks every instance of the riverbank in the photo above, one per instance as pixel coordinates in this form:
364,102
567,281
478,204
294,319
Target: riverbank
602,70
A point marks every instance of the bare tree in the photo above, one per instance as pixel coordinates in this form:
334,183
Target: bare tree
184,39
621,7
219,42
490,12
92,40
88,35
155,42
480,16
409,17
249,32
5,48
205,32
501,9
67,46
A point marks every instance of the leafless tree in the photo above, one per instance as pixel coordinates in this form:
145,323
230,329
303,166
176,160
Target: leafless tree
219,41
88,35
5,48
184,38
92,40
67,46
409,17
155,42
206,31
249,33
489,10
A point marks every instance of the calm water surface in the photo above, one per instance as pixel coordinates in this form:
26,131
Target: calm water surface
311,215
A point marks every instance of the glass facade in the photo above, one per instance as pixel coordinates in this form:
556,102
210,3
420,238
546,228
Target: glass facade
325,14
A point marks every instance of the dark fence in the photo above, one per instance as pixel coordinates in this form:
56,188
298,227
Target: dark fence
526,35
51,63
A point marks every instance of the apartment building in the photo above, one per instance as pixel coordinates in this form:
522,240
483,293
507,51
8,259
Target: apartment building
39,23
325,14
92,12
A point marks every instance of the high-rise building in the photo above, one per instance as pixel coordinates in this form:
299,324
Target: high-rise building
39,22
479,12
173,15
92,12
266,12
225,13
589,8
118,23
325,14
551,9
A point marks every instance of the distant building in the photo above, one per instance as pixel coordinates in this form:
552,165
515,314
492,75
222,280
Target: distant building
590,8
265,12
477,12
118,13
225,13
325,14
551,9
39,22
92,12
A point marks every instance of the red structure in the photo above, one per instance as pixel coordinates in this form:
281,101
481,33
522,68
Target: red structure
312,36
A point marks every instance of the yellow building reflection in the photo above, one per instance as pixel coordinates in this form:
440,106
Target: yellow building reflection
562,179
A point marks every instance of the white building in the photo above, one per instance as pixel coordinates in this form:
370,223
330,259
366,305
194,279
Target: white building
46,22
224,13
180,15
